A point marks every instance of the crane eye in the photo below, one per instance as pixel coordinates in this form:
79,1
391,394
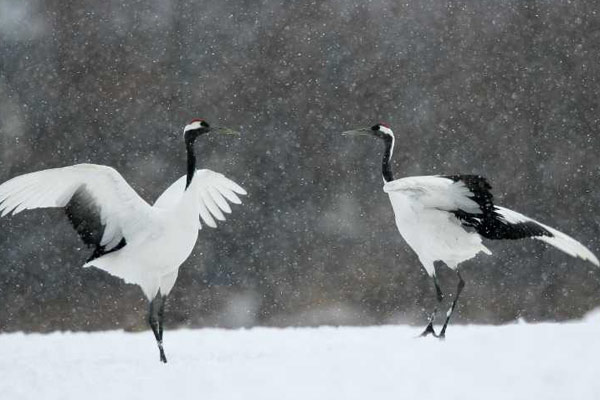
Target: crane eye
375,127
204,124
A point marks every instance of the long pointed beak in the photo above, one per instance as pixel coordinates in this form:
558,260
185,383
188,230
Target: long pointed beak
358,132
224,131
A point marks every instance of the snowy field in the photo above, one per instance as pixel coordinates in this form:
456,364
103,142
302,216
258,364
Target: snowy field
518,361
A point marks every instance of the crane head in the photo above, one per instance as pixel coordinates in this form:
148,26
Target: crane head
380,130
198,126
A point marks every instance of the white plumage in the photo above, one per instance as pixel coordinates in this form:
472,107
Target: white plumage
140,243
445,218
424,209
121,209
159,239
421,206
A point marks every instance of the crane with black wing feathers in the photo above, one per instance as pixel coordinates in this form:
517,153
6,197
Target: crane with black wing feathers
140,243
445,218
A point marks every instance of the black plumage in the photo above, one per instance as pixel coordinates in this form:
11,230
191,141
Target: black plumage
85,216
490,224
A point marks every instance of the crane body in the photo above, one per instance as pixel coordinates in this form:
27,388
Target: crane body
445,218
139,243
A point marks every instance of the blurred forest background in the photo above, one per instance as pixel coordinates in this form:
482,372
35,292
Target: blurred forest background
507,89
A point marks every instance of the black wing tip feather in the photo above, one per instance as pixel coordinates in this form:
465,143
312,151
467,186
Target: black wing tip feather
84,215
480,187
496,227
100,251
490,224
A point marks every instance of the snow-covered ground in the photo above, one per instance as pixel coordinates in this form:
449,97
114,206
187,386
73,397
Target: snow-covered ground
518,361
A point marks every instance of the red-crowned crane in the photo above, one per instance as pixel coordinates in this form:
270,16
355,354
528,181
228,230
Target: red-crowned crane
140,243
445,218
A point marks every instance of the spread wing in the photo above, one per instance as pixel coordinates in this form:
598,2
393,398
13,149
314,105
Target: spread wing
213,189
102,207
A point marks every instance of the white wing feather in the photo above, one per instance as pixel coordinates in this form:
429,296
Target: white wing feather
213,190
122,210
560,240
435,192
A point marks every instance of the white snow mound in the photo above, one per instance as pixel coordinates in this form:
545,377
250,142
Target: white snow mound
518,361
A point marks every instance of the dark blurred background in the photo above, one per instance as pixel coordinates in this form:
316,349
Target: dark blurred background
507,89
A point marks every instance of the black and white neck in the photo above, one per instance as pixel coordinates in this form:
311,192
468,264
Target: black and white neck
191,160
385,133
191,132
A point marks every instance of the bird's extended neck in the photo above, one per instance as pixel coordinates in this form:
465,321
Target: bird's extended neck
191,161
386,164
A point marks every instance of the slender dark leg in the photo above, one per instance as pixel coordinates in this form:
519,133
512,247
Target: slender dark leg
155,322
161,316
429,329
459,288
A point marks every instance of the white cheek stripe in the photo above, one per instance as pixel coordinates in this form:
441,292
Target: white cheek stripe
193,125
386,130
